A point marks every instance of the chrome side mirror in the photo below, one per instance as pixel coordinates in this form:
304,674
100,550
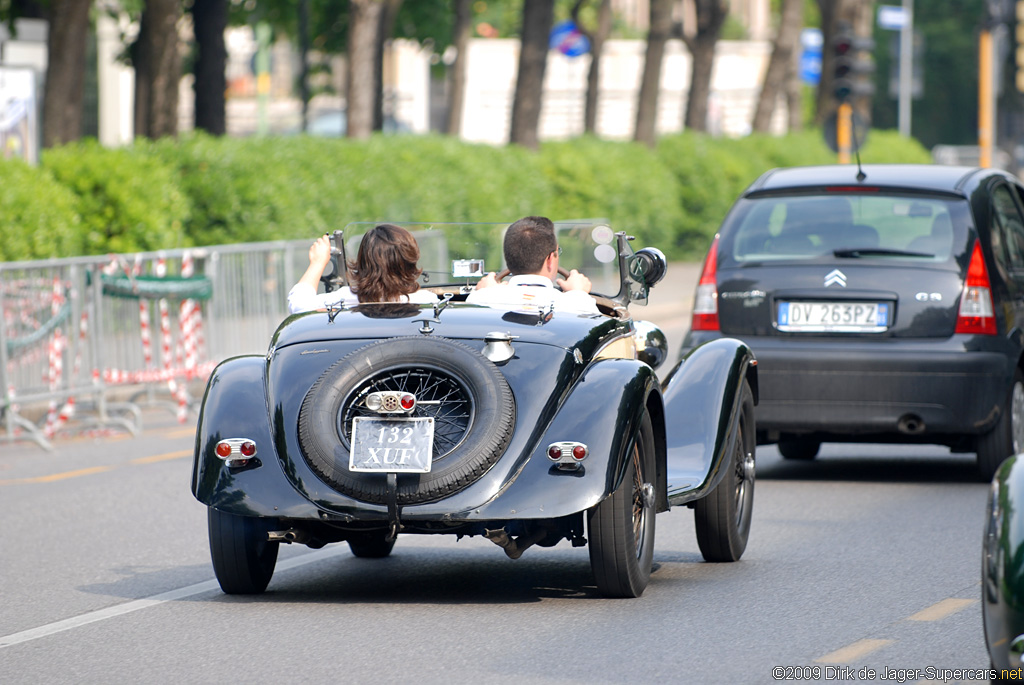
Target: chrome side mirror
648,266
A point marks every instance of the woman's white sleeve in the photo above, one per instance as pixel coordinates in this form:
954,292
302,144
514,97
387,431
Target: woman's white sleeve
302,298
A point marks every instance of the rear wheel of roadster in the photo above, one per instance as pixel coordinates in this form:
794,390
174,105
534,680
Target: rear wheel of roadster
375,545
243,558
799,449
621,527
723,517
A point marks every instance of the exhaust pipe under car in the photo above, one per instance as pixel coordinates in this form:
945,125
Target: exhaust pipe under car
910,424
514,547
295,535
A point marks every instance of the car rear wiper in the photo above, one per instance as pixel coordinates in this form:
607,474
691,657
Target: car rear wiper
877,251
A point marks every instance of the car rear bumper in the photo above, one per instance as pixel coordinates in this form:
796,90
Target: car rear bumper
906,391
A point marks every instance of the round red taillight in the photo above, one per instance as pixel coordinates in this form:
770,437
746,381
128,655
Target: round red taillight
554,452
579,452
247,448
223,450
408,402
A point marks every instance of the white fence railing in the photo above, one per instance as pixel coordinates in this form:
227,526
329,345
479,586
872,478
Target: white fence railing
86,342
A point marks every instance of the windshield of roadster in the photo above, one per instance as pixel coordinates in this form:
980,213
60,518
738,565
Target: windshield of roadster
461,253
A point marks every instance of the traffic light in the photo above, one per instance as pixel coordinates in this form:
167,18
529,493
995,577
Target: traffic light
851,64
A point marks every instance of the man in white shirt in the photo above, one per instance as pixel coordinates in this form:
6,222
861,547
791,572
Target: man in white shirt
531,255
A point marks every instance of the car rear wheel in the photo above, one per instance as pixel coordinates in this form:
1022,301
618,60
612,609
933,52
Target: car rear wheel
243,558
1007,438
799,449
621,527
723,517
371,545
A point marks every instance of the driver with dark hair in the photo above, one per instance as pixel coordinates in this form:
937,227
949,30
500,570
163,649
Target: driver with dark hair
531,255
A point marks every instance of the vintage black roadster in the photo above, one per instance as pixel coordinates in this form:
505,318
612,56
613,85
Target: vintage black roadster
1002,571
526,427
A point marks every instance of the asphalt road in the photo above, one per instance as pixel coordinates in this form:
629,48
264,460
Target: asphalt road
867,558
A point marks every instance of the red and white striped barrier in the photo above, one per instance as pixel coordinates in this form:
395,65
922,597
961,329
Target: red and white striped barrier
179,361
56,357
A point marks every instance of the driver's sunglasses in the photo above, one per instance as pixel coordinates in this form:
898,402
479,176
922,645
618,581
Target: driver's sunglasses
559,251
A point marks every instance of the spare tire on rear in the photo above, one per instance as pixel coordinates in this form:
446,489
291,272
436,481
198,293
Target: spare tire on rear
466,394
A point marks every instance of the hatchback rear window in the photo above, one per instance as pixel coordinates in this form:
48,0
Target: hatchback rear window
875,224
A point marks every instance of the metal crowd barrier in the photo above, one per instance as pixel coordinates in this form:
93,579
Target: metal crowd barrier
87,342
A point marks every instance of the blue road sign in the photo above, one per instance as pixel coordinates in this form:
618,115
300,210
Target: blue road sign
810,57
567,39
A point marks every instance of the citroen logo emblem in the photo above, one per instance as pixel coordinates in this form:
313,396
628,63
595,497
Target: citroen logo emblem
835,277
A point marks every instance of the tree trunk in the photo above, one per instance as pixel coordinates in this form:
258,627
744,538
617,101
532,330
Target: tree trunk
650,81
364,23
304,95
597,39
711,15
457,95
65,71
795,99
538,16
385,29
210,19
157,69
780,64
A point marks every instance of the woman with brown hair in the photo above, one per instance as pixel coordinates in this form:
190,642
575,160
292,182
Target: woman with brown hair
384,271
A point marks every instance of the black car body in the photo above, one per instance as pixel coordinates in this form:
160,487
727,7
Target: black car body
884,304
1002,571
547,425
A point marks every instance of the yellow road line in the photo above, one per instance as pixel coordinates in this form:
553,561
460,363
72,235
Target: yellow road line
852,652
941,610
96,469
162,457
58,476
180,432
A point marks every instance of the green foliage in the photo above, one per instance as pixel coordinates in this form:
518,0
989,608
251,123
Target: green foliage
128,199
202,190
39,217
890,146
241,189
621,181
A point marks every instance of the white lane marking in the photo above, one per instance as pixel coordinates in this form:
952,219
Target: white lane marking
146,602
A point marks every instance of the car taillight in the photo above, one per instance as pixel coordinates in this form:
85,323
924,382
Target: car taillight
235,451
976,315
568,454
705,304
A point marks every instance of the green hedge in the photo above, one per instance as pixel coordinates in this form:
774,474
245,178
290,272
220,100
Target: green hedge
200,190
39,217
129,199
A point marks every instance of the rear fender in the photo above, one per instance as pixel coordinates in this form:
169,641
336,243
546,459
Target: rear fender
1002,563
702,397
235,406
603,410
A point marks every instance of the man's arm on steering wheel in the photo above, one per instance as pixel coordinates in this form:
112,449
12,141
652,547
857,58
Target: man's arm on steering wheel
574,280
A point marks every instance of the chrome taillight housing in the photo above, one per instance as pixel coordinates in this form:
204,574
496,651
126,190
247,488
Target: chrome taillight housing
390,402
568,454
235,451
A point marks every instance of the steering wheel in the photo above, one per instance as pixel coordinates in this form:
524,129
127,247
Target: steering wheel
501,275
